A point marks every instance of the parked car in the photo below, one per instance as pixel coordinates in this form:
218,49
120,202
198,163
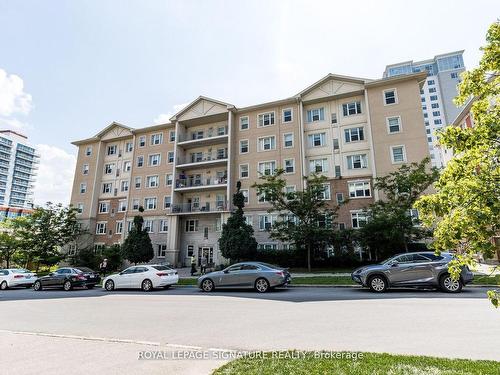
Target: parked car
93,277
260,276
66,278
16,277
422,269
145,277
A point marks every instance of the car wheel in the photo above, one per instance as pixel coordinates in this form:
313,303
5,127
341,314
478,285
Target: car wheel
262,285
207,285
147,285
37,286
109,286
67,286
3,285
449,285
377,284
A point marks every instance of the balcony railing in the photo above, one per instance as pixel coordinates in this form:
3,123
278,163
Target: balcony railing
200,157
199,207
199,181
199,135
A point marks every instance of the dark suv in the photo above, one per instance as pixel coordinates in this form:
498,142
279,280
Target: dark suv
423,269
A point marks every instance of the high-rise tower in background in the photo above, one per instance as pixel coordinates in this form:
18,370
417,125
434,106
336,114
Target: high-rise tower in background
437,94
18,166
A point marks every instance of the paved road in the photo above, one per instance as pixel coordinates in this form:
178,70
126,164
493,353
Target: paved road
108,330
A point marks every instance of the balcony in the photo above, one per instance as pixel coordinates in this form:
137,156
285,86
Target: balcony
202,138
199,183
24,156
199,208
22,169
202,159
26,164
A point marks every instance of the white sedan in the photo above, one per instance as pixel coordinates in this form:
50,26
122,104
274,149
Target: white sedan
13,277
145,277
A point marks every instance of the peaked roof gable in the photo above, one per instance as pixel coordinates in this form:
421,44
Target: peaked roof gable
201,106
333,84
114,130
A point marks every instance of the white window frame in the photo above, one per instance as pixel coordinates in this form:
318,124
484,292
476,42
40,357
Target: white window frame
355,107
248,170
165,202
122,205
163,223
293,165
248,146
396,101
262,143
284,140
85,169
363,161
110,189
392,154
247,123
387,121
324,165
138,178
271,219
247,195
263,164
141,158
170,140
156,139
283,115
119,227
155,200
88,151
151,178
354,190
350,131
357,214
195,226
262,116
322,139
134,201
101,206
83,188
162,250
103,225
129,146
327,193
320,110
152,157
142,141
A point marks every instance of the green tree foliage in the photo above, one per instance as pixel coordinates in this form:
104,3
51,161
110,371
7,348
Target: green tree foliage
390,227
137,247
465,210
9,240
237,241
304,218
89,258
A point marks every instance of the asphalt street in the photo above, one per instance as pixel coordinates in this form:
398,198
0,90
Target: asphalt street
93,330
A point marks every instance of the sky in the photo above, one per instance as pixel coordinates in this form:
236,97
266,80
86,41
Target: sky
70,68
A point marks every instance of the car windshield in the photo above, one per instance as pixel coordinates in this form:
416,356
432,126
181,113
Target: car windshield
389,260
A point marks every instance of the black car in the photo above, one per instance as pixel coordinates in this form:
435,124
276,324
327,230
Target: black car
66,278
93,277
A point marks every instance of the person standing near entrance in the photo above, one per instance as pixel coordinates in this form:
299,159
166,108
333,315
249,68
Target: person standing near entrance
193,265
103,267
203,265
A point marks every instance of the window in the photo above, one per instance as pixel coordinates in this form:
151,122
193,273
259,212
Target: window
169,179
150,203
142,141
426,123
152,181
359,189
267,143
88,151
267,168
103,207
430,82
436,113
108,168
266,119
317,140
244,123
318,165
167,201
358,219
127,166
191,225
124,186
317,114
288,140
290,189
170,157
135,204
162,250
424,107
426,115
107,187
85,169
248,219
435,105
129,146
325,194
287,115
398,154
454,75
148,226
171,136
266,221
79,208
244,173
341,226
140,161
432,89
337,171
138,182
438,122
422,99
156,139
111,150
154,159
393,124
429,139
163,225
339,197
354,134
221,130
243,146
428,131
334,118
289,165
100,228
357,161
390,97
245,195
122,206
119,227
336,145
434,97
353,108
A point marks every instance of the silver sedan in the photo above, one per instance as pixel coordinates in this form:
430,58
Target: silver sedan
257,275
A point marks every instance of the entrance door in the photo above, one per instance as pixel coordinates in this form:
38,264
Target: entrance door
207,252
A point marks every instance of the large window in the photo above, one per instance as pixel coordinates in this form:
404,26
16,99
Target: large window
192,225
153,181
289,165
167,201
267,143
266,119
244,172
393,124
140,161
108,168
357,161
287,115
112,150
267,167
316,114
244,123
318,165
288,140
353,108
354,134
119,227
100,228
85,169
154,159
359,189
390,97
325,194
358,219
150,203
107,188
266,221
243,146
157,139
162,250
103,207
164,225
398,154
317,140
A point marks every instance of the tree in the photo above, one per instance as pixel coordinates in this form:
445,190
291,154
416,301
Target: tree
9,240
237,241
43,233
304,217
137,247
390,226
88,258
465,210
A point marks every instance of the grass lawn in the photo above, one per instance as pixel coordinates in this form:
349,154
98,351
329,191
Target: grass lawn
487,280
187,281
369,363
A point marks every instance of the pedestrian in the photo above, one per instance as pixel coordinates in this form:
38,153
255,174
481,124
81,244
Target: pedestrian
103,267
203,265
193,265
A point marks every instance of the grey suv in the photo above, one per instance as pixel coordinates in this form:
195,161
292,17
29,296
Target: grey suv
423,269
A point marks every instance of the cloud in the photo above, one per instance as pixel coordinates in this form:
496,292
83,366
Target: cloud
13,99
55,176
164,118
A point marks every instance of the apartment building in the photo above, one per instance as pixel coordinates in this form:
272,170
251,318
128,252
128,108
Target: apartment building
184,173
18,166
437,94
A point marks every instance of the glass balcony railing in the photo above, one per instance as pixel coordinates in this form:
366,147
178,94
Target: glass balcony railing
200,157
199,207
199,181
